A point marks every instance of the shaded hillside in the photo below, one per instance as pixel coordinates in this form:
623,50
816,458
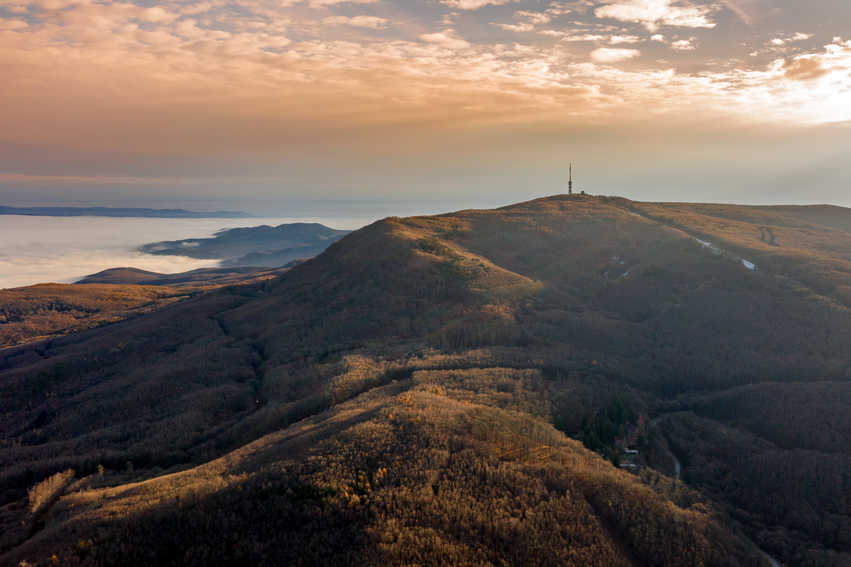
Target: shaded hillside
269,246
393,401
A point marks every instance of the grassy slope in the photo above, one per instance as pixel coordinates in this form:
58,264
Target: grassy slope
595,297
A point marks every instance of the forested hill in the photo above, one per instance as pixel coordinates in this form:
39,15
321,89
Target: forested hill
414,395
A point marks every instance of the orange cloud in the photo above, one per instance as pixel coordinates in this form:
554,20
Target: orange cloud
174,80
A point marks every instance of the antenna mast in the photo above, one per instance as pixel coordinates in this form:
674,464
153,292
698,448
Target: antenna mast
570,181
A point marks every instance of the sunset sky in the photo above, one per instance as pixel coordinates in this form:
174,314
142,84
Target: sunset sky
483,101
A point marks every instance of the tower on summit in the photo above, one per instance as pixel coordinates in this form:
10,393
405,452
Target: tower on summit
570,181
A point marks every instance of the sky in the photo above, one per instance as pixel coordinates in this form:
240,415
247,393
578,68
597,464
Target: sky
258,104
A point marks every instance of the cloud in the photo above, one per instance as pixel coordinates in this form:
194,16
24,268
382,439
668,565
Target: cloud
535,18
618,39
684,44
270,81
609,55
654,13
39,250
526,21
12,24
520,28
56,4
157,14
834,63
571,36
804,68
563,8
370,22
447,38
792,38
15,8
473,4
324,3
197,8
580,6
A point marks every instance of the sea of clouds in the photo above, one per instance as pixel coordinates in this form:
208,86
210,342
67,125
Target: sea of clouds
65,249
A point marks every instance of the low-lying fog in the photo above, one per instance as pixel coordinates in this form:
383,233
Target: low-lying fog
65,249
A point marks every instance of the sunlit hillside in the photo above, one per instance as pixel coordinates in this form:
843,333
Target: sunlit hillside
44,311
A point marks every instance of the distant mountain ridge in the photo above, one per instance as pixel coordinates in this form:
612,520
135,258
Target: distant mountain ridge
121,212
201,276
259,246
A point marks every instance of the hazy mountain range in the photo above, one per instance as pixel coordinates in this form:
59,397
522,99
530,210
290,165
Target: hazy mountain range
575,380
267,246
